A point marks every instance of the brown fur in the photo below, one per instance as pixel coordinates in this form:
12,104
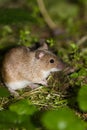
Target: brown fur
22,64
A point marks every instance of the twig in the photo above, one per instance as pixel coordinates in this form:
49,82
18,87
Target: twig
82,40
45,14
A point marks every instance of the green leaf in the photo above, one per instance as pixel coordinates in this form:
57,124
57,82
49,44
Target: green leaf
74,75
23,107
82,98
73,46
10,119
4,92
83,72
62,119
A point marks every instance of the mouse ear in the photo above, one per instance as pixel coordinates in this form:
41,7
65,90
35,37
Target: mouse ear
44,46
39,54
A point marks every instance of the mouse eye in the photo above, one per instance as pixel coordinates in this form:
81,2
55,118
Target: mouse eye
51,60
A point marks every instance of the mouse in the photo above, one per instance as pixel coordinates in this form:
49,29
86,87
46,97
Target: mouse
22,67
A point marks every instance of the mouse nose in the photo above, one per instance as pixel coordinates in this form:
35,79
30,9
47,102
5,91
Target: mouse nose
60,65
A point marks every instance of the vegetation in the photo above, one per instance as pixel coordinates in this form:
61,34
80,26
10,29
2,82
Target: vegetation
63,24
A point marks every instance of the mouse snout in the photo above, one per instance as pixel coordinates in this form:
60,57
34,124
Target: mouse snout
60,66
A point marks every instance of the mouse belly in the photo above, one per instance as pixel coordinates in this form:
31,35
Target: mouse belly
17,84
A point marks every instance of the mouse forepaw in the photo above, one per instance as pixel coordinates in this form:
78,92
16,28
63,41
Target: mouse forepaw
44,82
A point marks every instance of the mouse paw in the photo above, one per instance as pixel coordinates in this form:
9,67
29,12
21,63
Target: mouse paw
14,93
43,82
